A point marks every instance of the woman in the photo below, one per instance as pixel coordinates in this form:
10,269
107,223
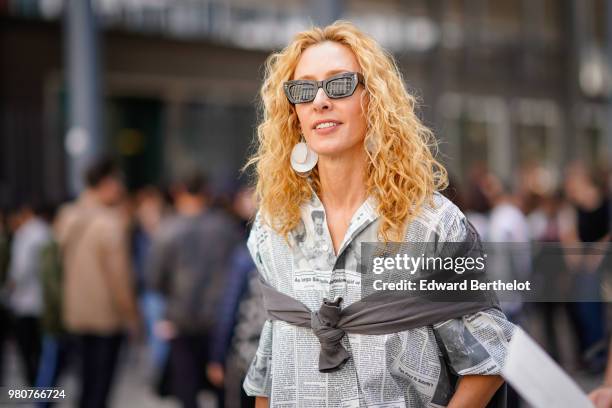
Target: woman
352,162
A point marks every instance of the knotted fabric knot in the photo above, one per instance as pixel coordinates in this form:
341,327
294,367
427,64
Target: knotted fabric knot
324,325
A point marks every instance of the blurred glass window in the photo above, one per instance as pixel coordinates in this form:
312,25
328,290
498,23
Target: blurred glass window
474,143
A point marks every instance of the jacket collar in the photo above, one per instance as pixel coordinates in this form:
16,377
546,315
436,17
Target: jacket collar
314,220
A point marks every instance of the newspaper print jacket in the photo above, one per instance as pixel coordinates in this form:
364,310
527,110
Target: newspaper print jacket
412,368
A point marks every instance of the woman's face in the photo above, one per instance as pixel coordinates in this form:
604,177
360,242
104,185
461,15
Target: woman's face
346,135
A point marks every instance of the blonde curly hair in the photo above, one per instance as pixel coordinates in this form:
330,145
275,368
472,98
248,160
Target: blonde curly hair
402,172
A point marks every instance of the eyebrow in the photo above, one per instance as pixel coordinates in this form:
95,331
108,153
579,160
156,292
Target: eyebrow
327,74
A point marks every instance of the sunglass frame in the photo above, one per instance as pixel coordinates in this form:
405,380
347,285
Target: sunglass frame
356,76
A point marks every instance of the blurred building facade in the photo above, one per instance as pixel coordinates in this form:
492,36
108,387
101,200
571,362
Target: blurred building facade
503,82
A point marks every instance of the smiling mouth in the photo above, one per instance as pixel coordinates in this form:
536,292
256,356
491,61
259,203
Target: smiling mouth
326,125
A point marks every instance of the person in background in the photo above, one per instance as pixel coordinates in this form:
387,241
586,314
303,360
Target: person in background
148,212
188,264
591,216
453,193
546,226
508,224
477,206
25,296
241,315
56,344
545,219
98,298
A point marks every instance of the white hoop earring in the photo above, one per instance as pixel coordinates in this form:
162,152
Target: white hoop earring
303,158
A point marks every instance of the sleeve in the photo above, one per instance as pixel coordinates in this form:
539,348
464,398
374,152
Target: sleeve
258,381
114,254
19,262
475,344
236,286
25,262
158,263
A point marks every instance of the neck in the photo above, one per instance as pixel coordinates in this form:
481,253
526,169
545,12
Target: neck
343,180
26,218
190,206
94,197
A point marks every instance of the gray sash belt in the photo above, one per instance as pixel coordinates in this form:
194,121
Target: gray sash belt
379,313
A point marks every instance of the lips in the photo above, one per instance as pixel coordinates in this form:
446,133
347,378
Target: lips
326,124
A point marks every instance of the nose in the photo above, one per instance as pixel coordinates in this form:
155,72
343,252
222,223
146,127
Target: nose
321,101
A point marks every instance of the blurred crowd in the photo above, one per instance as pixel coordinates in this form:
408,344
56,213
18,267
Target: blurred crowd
532,208
169,270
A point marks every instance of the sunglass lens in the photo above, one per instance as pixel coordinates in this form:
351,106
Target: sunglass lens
340,87
302,92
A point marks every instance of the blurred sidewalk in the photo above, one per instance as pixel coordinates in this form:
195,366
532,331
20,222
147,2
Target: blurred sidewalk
132,387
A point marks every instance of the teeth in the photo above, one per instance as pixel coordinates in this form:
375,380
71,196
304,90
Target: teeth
326,125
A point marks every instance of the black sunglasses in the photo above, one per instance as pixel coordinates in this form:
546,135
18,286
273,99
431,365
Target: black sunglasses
338,86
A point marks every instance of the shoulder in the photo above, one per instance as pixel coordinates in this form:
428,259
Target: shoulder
266,246
169,228
42,230
65,210
507,212
260,234
219,219
107,224
67,215
440,219
108,218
